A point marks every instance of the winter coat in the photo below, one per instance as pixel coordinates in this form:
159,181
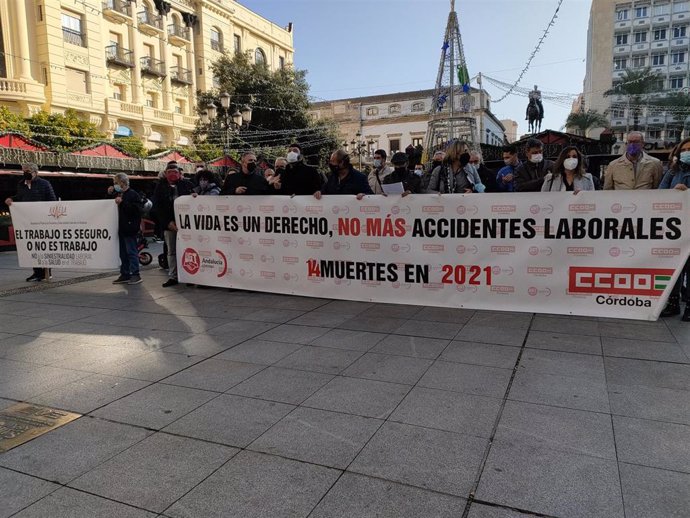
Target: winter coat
354,183
529,177
164,200
255,183
555,183
376,178
129,213
673,178
621,175
438,182
300,179
411,182
40,190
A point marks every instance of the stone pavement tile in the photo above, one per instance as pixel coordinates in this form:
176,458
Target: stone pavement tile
155,406
426,329
156,472
152,366
563,429
492,335
659,404
476,353
430,459
450,315
365,497
623,371
654,493
259,352
278,301
204,344
87,394
277,316
293,334
167,322
404,311
485,511
282,385
347,307
73,449
69,299
322,319
563,391
415,346
470,379
215,375
18,491
11,343
244,329
12,324
502,319
231,420
567,325
43,352
566,342
93,358
653,331
349,339
450,411
319,437
387,367
585,366
254,485
37,381
643,350
67,502
358,396
320,359
11,370
551,482
365,322
653,443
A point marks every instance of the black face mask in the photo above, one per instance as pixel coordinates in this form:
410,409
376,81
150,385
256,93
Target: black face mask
401,169
279,170
251,167
334,168
436,163
28,176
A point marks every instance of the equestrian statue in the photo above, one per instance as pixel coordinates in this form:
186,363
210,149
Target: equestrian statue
535,111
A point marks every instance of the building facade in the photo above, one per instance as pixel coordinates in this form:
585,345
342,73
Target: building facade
130,67
511,127
634,35
395,121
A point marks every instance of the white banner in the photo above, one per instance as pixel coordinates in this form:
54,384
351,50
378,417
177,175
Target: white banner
610,254
66,234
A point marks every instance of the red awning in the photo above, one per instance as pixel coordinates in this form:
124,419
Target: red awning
12,140
225,161
71,174
102,150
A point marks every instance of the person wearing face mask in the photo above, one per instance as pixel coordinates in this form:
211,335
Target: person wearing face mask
678,178
206,184
249,181
568,173
33,188
344,179
505,178
296,177
167,191
529,177
487,176
412,183
635,169
436,161
419,171
455,175
129,222
380,172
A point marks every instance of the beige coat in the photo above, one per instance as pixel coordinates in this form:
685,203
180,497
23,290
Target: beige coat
373,182
620,174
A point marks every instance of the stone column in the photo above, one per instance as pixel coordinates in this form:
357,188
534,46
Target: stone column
22,39
137,88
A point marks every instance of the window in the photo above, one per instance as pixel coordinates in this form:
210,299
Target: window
216,82
372,110
676,83
681,7
622,14
216,39
658,60
119,92
617,113
680,31
639,62
622,39
149,51
77,80
259,56
641,12
658,85
151,100
238,43
418,141
281,62
640,37
418,107
393,109
659,34
71,30
180,107
677,57
620,64
660,10
394,145
654,134
673,134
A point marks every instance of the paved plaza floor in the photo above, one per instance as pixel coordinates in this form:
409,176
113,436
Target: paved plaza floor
215,403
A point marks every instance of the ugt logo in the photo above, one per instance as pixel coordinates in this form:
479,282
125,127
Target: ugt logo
57,211
190,261
649,282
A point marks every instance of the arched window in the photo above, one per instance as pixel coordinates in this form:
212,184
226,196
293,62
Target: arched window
259,56
216,39
372,110
418,107
394,108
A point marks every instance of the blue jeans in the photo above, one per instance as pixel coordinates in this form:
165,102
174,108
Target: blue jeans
129,256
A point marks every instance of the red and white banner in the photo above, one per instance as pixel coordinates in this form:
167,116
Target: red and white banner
66,234
609,254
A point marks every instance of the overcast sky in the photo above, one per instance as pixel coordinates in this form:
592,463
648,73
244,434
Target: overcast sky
355,48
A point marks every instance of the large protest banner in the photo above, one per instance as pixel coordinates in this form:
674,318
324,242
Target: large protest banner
66,234
614,254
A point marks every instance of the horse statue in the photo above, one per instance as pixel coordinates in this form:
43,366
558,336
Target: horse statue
534,116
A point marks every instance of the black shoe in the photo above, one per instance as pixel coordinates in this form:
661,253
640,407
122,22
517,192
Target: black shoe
135,279
121,280
33,278
673,308
686,314
170,282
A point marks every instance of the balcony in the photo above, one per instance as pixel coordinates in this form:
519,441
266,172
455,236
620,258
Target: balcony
617,74
660,69
149,23
123,109
178,35
73,37
661,20
680,42
641,22
679,17
640,47
623,25
116,55
663,44
119,11
181,75
152,67
621,49
677,68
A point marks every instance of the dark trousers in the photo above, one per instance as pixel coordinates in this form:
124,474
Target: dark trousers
684,274
129,256
41,272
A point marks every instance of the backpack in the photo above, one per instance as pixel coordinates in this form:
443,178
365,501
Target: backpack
144,204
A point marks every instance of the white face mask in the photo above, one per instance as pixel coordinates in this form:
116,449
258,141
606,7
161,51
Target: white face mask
377,163
508,161
292,157
535,159
570,163
418,172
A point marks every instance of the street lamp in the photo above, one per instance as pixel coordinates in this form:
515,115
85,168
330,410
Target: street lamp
232,121
360,147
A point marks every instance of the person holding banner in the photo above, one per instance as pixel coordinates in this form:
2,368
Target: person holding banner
33,188
129,205
635,169
410,181
248,181
456,175
568,173
344,179
297,178
505,178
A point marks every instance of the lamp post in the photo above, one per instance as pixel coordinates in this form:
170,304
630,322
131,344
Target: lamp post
359,147
231,121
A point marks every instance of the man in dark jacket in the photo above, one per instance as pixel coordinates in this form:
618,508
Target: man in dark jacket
33,188
297,178
248,181
401,174
344,178
487,176
167,190
129,205
529,177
